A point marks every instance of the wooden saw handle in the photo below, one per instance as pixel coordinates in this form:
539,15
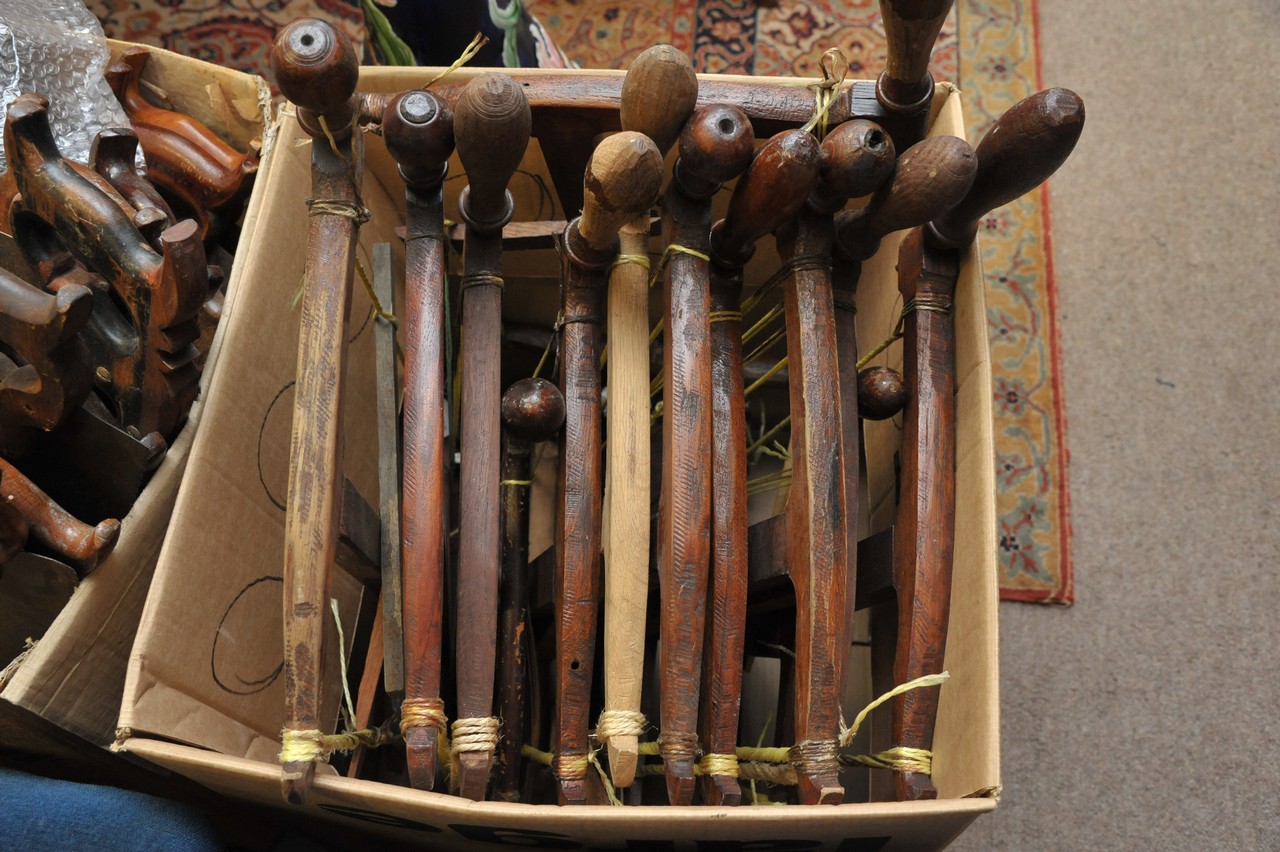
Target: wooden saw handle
80,545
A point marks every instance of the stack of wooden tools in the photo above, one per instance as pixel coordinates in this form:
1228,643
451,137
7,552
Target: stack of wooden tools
652,471
110,281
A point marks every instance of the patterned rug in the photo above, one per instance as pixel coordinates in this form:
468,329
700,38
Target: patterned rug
991,49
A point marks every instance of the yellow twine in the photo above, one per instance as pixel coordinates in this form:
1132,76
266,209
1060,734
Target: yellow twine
666,255
637,259
769,316
726,316
718,764
427,713
515,483
379,312
847,734
767,436
834,68
773,371
899,759
550,340
537,756
620,723
471,735
936,304
466,56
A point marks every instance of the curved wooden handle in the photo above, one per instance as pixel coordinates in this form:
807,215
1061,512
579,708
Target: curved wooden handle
112,155
772,191
931,176
857,158
43,328
1021,150
82,546
418,130
716,145
911,28
492,123
658,94
622,181
316,67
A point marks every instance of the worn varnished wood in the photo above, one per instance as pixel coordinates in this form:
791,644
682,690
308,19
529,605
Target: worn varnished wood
390,600
80,545
419,134
185,159
156,381
42,329
113,155
492,125
532,411
905,87
658,94
857,158
882,393
320,53
621,182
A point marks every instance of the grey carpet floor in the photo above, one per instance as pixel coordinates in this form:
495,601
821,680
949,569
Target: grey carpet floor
1145,717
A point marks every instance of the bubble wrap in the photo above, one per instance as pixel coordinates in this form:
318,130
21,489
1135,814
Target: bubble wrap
56,48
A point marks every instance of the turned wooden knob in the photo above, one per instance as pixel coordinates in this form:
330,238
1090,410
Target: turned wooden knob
316,67
418,130
857,158
1019,152
533,410
492,123
622,181
771,191
931,177
881,393
716,145
911,29
658,94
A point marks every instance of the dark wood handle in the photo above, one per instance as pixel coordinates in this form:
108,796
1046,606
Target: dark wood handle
857,158
184,157
317,68
771,191
930,177
716,145
924,531
418,130
112,155
882,393
14,530
911,29
43,329
492,122
658,94
622,181
80,545
1019,152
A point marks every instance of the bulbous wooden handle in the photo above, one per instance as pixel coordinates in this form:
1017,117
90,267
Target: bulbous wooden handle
911,29
492,124
882,393
1021,150
771,191
857,158
932,176
622,181
658,95
533,410
316,67
418,130
716,145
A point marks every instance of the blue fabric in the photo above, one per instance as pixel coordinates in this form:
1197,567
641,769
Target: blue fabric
43,814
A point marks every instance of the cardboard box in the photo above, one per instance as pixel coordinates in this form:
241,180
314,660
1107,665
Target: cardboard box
204,695
74,674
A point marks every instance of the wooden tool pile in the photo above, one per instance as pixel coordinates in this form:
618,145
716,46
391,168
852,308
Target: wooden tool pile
489,662
110,280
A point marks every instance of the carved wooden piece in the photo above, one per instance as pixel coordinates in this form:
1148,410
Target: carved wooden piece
112,155
905,87
882,393
419,133
185,159
621,182
78,544
390,619
658,94
492,120
532,411
53,375
309,50
156,383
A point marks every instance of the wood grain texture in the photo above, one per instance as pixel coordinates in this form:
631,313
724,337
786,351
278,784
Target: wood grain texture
112,154
817,533
532,411
491,123
905,87
924,534
185,159
155,381
1020,150
80,545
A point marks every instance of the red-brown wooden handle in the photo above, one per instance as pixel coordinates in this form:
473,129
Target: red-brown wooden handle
80,545
492,122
